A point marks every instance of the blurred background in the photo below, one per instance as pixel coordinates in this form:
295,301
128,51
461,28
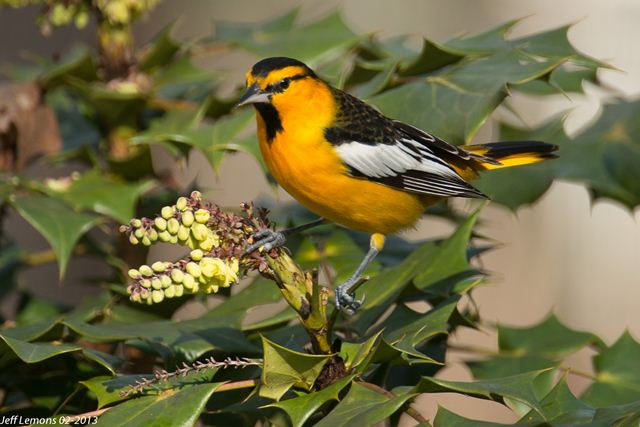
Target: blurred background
564,254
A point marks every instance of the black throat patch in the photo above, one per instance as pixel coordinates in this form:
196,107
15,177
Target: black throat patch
271,118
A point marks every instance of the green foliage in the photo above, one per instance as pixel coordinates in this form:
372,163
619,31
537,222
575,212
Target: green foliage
111,353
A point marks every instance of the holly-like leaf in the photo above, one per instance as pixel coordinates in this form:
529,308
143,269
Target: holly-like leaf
174,408
431,58
519,388
279,37
507,365
446,418
363,407
450,258
406,329
357,356
561,407
618,380
301,408
486,43
60,225
160,52
104,194
284,368
439,107
514,187
186,129
603,157
549,338
620,415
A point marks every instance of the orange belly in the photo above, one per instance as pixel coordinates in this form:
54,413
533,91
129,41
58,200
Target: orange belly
309,169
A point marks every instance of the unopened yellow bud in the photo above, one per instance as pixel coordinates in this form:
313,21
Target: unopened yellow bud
157,296
187,218
181,203
202,216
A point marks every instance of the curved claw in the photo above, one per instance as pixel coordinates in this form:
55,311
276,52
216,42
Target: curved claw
266,239
345,302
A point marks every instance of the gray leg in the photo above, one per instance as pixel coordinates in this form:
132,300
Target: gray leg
269,239
345,301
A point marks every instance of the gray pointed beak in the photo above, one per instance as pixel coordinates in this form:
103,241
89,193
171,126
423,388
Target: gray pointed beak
254,95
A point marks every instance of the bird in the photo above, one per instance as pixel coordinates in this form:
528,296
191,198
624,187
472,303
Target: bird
347,162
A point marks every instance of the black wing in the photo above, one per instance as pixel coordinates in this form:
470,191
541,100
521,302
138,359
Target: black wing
394,153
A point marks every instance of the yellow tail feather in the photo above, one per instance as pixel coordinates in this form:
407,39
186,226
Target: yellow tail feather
512,153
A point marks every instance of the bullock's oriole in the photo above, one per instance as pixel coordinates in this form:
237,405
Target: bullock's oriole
345,161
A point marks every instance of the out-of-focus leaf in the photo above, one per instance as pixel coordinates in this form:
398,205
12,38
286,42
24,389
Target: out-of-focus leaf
175,408
620,415
363,407
309,43
375,84
561,407
385,288
555,44
604,156
440,108
485,43
78,64
79,135
284,368
300,408
517,387
58,223
406,329
618,380
36,310
431,58
161,51
212,140
104,194
514,187
446,418
449,259
181,72
339,251
549,338
507,365
135,167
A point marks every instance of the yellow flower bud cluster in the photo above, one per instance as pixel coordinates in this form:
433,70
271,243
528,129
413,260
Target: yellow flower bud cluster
152,284
184,223
62,13
123,12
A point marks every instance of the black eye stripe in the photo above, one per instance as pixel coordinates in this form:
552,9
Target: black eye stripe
283,84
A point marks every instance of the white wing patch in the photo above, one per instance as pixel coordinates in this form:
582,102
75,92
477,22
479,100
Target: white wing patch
384,160
408,164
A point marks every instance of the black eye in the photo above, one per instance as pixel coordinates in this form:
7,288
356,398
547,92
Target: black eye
280,86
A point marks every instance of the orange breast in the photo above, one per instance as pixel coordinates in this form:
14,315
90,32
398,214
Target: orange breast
309,169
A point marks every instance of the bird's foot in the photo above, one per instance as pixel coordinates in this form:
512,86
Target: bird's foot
266,239
346,302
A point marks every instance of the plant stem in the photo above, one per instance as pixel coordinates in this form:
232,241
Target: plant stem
305,296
